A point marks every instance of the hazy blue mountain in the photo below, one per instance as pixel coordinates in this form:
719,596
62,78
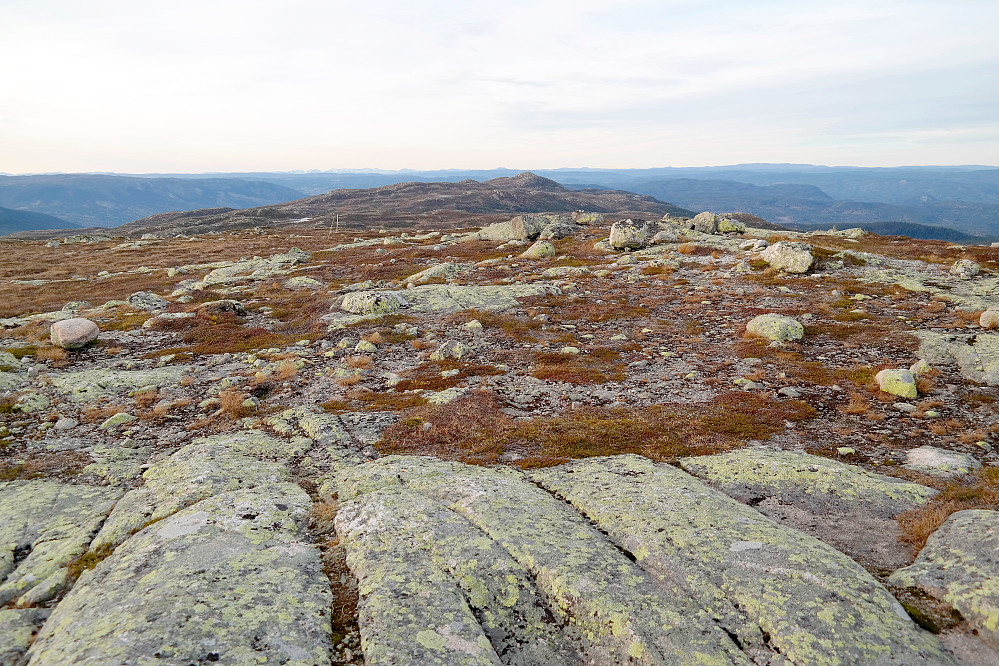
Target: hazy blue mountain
111,200
12,221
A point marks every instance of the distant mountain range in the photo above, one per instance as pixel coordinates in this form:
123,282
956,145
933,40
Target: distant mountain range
95,200
950,203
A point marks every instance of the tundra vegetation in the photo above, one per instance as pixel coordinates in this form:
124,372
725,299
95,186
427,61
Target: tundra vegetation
414,445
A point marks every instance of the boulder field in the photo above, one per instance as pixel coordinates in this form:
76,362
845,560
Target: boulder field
543,441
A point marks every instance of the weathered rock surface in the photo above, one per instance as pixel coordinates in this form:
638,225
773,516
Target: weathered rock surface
73,333
959,565
229,580
843,505
200,470
939,462
789,257
18,627
976,356
92,385
43,526
683,575
629,234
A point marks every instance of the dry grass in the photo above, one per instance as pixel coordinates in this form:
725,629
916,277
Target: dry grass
982,492
231,404
596,367
474,430
45,465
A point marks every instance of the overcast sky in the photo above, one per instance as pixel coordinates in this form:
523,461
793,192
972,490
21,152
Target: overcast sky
220,85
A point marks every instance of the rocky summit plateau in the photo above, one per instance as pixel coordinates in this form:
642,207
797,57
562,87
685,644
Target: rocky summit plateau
476,438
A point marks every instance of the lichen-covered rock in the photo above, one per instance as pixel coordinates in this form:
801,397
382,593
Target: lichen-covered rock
197,471
452,349
965,268
73,333
444,271
92,385
775,327
230,580
939,462
373,302
426,575
557,230
897,382
669,234
958,565
18,627
441,298
772,587
843,505
225,306
706,223
727,225
622,613
629,234
989,319
587,219
43,526
976,356
827,485
542,249
789,257
250,270
144,300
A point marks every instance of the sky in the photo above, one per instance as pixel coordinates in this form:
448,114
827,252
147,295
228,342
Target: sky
219,85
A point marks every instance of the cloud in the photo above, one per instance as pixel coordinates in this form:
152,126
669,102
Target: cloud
219,85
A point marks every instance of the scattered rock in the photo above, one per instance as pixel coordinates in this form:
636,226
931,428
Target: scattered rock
223,307
73,333
143,300
989,319
706,223
629,234
897,382
540,250
965,269
789,257
775,327
373,302
938,462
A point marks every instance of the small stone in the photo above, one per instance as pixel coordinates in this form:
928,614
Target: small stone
365,346
989,319
66,423
790,392
570,350
904,407
73,333
845,450
897,382
920,367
